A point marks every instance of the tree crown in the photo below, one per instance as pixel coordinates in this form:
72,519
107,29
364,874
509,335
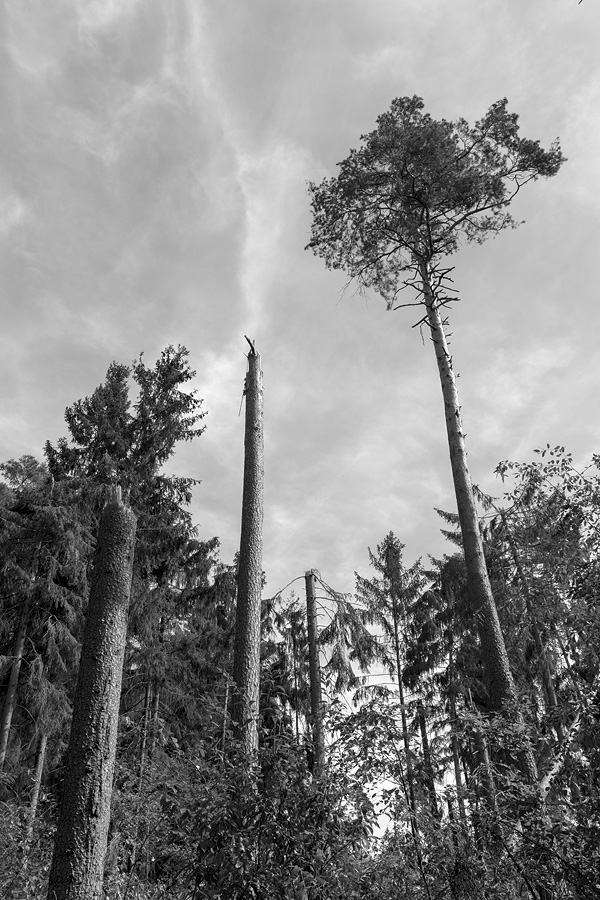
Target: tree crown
417,186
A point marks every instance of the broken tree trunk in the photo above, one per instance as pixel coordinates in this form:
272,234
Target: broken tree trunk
81,835
246,657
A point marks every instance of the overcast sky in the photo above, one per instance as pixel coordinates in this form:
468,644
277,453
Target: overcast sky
154,159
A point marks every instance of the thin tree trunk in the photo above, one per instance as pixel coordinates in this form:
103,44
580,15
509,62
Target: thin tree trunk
460,791
316,700
11,691
501,684
142,774
547,680
246,656
225,717
427,759
40,758
81,835
405,737
155,708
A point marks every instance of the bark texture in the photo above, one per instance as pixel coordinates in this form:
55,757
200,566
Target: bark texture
501,685
316,699
246,659
81,836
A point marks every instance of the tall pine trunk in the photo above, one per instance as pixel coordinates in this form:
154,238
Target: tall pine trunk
246,658
500,681
81,835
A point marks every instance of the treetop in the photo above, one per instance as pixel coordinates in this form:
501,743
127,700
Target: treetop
417,185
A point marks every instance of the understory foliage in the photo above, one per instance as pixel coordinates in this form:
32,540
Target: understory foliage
421,796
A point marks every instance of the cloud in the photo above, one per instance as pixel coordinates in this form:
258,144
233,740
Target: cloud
13,212
97,17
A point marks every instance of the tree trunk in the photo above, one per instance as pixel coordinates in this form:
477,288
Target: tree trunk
11,691
405,738
246,658
316,699
460,791
547,680
35,788
500,681
154,726
81,835
427,760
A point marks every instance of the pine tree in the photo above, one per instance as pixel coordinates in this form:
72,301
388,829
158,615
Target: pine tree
400,205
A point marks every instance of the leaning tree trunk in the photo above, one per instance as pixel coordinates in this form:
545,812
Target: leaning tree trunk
81,836
501,684
246,657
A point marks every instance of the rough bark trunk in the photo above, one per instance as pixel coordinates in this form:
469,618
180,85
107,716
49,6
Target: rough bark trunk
81,836
246,660
500,681
316,699
11,691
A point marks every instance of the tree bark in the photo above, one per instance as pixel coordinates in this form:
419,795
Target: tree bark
81,836
410,777
500,681
40,758
316,699
427,760
11,691
246,659
460,790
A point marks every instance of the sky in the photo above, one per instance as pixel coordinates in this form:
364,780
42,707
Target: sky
154,161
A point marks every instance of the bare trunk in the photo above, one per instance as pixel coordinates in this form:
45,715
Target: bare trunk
35,788
316,700
460,791
500,681
154,726
246,659
427,760
11,691
81,835
139,835
225,714
547,680
405,737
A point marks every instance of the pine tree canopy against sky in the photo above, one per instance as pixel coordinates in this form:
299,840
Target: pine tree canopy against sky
153,190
